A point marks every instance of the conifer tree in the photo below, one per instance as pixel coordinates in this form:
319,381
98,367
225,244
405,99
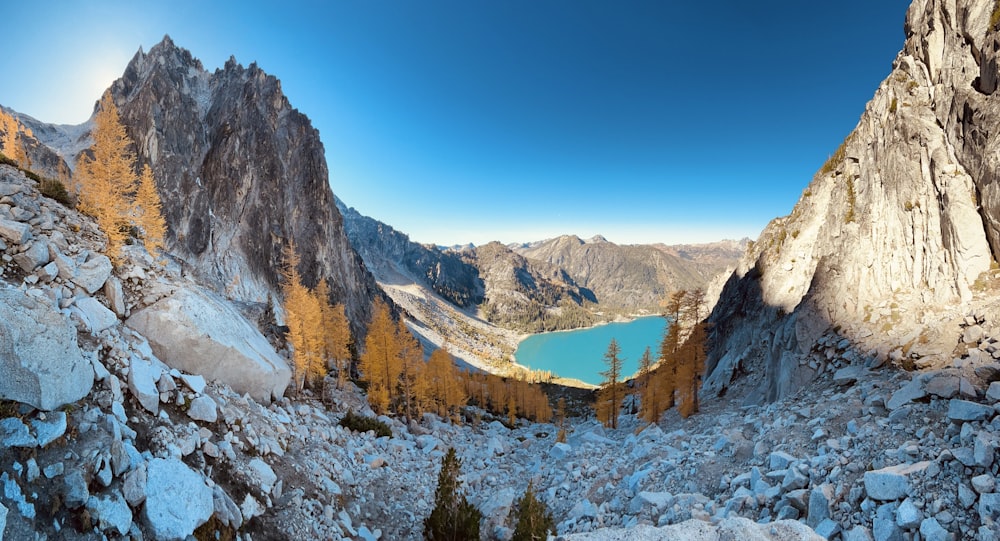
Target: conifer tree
447,390
413,389
534,521
302,317
336,334
611,394
148,212
453,517
106,179
649,408
380,363
561,420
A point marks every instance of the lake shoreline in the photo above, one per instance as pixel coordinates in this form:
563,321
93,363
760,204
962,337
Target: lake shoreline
575,354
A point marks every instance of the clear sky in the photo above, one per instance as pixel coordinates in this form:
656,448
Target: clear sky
468,121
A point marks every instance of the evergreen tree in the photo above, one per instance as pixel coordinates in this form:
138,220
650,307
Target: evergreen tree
106,177
649,409
336,334
148,212
611,394
534,521
380,364
453,517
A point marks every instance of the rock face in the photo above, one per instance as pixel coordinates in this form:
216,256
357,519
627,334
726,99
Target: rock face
200,333
241,173
901,222
40,362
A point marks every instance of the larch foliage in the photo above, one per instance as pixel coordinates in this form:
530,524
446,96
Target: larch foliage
447,390
380,364
148,212
561,420
413,385
650,401
453,517
106,179
302,317
611,394
336,334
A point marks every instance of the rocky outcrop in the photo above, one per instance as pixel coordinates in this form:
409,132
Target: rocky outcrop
199,333
241,174
893,232
40,362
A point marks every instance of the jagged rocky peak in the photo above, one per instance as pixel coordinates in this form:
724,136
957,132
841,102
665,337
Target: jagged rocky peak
241,174
889,238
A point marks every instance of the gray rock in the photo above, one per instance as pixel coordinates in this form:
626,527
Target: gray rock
964,455
115,295
49,429
94,315
942,386
35,256
14,433
134,486
48,272
177,499
847,375
53,470
984,449
142,379
14,232
884,525
560,451
989,507
931,530
827,529
820,504
858,533
40,362
908,517
263,473
75,492
203,408
194,382
92,274
226,509
891,483
779,460
966,497
794,479
993,393
200,333
984,483
110,513
963,410
914,390
972,335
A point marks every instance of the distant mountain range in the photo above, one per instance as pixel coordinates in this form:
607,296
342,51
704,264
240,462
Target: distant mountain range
554,284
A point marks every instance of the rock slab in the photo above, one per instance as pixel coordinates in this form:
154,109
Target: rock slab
200,333
177,499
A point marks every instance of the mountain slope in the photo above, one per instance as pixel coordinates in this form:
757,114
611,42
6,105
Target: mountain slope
241,173
637,277
887,243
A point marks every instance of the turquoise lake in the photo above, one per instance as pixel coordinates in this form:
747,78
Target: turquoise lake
579,354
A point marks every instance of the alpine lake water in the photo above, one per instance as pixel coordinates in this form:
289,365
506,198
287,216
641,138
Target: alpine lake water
579,354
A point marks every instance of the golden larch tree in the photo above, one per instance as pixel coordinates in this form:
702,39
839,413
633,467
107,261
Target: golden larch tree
650,403
379,364
611,394
105,177
413,387
446,386
336,334
302,317
148,212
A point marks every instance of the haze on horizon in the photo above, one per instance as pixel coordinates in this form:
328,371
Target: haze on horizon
516,121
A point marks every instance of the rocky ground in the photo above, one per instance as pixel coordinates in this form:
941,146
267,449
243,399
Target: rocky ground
108,440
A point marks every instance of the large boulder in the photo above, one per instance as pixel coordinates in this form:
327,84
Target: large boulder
40,361
200,333
177,499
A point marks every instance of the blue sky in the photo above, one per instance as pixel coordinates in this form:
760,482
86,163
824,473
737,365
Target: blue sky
468,121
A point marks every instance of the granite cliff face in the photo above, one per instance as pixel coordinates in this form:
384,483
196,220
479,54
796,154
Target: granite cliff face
887,243
240,173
